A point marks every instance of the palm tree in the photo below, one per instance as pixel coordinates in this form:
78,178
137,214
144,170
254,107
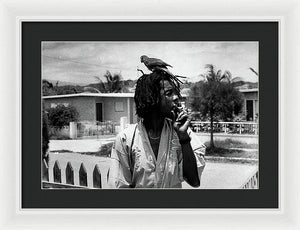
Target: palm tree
217,76
47,88
114,83
90,89
217,94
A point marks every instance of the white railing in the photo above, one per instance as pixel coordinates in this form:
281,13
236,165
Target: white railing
89,128
252,182
75,170
68,170
248,128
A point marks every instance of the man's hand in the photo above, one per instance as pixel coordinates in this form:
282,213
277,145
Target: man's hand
182,122
190,171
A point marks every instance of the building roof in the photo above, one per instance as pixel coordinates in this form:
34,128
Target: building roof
90,95
248,90
124,95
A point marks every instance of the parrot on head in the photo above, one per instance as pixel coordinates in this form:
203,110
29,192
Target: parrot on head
153,63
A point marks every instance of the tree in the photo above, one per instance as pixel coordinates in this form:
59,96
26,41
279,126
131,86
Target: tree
61,116
47,88
67,89
45,145
91,89
114,83
45,134
215,97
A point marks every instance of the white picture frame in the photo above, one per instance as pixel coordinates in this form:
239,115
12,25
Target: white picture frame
11,214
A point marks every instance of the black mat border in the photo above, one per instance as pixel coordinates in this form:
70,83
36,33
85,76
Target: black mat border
266,33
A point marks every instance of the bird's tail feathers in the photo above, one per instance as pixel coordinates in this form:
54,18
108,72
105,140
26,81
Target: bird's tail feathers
167,71
180,76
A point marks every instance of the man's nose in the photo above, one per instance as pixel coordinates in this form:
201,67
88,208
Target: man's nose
175,99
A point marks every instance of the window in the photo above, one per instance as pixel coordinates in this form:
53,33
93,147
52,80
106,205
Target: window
54,105
119,106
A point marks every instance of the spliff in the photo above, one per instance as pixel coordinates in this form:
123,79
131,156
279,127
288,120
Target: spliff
176,110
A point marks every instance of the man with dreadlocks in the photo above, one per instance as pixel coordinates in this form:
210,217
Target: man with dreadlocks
160,151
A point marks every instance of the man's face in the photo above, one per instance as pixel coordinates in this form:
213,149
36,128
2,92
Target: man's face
169,99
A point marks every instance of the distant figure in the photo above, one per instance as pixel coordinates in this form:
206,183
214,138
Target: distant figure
256,117
160,151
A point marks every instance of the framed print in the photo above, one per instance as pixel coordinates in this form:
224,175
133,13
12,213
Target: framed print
25,203
247,48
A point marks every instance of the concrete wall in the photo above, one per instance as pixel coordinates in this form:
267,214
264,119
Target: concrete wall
76,159
85,106
109,109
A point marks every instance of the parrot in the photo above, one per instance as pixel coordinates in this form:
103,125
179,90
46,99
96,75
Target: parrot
157,64
154,63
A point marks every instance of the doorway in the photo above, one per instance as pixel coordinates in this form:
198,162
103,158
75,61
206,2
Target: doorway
249,110
99,116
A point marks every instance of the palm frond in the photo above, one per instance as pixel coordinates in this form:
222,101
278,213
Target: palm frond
219,74
256,73
227,76
87,88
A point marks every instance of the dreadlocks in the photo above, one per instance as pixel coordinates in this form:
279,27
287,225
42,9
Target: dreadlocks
147,93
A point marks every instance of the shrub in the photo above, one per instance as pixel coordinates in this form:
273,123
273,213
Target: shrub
106,149
61,116
45,135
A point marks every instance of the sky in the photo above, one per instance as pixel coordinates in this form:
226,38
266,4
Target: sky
80,62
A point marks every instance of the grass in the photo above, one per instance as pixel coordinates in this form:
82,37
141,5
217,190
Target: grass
229,143
59,137
232,148
222,152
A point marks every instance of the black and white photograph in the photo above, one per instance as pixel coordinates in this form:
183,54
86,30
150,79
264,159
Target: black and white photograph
150,115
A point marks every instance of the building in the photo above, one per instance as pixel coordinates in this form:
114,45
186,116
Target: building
97,106
113,106
251,106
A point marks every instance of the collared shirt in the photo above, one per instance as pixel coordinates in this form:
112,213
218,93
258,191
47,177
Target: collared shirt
134,164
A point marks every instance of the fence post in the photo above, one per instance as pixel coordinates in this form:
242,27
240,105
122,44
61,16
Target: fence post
97,129
123,123
73,130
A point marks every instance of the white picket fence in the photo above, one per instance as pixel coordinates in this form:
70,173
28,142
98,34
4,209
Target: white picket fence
74,170
70,170
248,128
